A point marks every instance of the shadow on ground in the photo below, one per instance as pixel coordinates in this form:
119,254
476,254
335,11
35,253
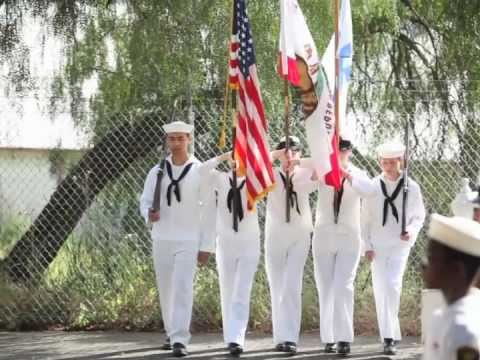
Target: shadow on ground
58,345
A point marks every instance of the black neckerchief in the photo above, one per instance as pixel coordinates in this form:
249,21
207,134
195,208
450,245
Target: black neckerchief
337,201
293,200
238,195
175,182
390,199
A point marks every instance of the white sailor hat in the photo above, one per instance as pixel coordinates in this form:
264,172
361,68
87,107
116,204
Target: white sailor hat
292,138
177,127
456,232
391,150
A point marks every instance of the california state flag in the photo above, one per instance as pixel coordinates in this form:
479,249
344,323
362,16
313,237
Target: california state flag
295,40
297,47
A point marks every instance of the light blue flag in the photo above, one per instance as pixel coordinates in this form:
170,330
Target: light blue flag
345,47
345,53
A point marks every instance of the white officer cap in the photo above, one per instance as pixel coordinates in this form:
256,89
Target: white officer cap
292,138
177,127
456,232
293,143
391,150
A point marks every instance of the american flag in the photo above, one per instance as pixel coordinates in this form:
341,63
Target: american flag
251,147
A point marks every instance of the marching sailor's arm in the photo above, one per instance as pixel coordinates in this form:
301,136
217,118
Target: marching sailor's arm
208,167
416,217
308,163
146,200
306,180
304,163
208,213
210,178
208,234
361,183
366,226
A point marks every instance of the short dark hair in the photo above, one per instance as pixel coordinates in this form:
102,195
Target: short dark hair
345,144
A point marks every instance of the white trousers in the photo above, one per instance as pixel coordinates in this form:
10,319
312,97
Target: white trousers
236,274
335,273
388,268
175,264
284,265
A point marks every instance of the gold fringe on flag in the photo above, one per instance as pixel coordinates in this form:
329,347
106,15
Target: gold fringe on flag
222,139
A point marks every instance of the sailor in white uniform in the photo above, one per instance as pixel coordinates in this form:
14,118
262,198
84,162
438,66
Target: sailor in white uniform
287,244
453,266
386,247
336,251
237,252
175,232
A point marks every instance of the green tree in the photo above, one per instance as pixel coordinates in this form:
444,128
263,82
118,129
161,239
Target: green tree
412,56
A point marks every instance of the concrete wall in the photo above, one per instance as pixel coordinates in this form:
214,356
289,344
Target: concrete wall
28,177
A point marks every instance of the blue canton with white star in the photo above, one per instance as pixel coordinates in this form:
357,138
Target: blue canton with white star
246,56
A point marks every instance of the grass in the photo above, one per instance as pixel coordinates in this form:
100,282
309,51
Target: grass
110,284
11,228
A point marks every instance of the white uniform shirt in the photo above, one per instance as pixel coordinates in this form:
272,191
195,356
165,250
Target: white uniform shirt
348,223
181,220
248,236
454,327
374,233
276,202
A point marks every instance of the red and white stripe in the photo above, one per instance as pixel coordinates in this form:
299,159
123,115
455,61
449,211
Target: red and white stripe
251,146
233,63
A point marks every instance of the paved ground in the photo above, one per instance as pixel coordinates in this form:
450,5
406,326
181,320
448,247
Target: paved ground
58,345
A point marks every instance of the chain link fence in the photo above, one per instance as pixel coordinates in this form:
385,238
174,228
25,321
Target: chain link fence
76,253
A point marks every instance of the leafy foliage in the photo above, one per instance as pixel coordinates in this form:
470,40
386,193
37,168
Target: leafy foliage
143,55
